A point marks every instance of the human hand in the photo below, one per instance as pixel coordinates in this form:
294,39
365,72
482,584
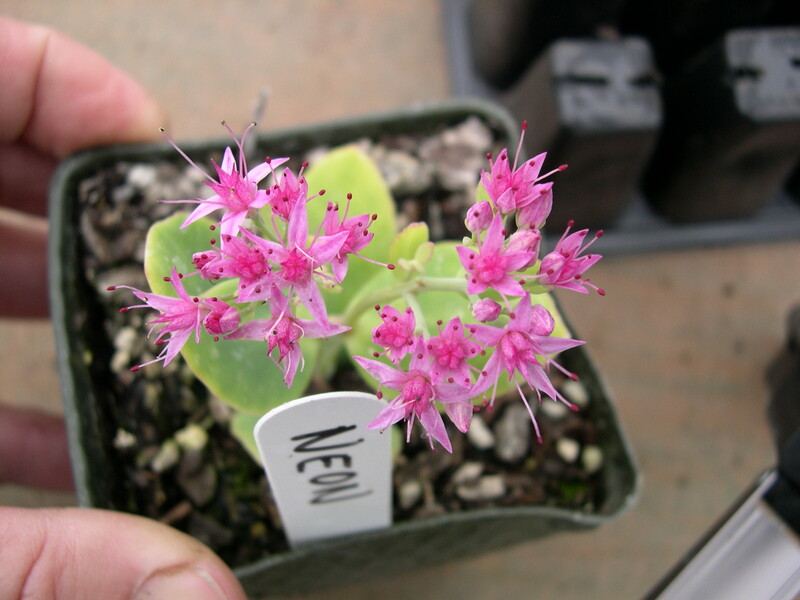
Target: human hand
58,97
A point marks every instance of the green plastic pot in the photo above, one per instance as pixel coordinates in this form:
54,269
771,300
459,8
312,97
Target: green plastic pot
403,546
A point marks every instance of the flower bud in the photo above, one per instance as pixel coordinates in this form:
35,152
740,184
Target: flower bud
222,319
534,214
526,240
479,216
486,310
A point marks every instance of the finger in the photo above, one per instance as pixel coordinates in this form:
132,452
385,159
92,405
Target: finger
58,96
25,178
78,553
24,266
34,450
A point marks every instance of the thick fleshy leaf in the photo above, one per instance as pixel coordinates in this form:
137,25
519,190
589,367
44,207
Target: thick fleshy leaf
241,427
349,170
238,372
406,243
481,194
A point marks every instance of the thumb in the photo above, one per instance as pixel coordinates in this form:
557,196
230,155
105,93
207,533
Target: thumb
76,553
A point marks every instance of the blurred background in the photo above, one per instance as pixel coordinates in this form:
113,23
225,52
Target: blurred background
686,330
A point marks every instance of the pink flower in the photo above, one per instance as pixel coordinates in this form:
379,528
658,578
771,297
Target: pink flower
525,240
534,214
284,331
299,260
180,316
564,268
222,320
516,347
417,394
358,235
235,188
491,265
395,333
237,259
511,188
287,191
479,217
486,310
450,351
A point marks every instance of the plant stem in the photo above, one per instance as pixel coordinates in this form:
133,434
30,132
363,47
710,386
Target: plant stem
414,286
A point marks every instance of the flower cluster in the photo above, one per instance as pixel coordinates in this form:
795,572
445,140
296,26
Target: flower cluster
280,260
443,369
277,261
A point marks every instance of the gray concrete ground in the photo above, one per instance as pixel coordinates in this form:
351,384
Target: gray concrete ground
682,337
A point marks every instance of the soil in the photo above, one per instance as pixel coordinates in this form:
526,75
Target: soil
176,460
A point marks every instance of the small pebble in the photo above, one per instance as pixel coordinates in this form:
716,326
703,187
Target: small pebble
556,411
167,456
142,176
479,434
220,412
575,392
199,485
468,472
592,459
488,487
513,433
124,344
568,449
192,437
409,493
124,440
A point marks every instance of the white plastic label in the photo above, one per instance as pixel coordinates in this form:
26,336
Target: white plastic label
330,476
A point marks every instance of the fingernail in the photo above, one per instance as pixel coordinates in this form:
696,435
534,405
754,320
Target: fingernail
181,584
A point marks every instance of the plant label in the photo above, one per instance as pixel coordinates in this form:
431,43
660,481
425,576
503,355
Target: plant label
329,474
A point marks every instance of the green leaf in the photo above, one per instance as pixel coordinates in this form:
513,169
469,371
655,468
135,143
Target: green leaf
236,371
406,243
481,194
242,427
344,170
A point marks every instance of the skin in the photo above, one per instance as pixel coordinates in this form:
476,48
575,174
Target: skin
59,97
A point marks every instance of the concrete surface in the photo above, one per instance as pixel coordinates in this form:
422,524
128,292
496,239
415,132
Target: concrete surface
682,337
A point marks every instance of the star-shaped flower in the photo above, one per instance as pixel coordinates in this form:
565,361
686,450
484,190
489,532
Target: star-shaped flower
517,348
297,260
180,316
491,265
284,331
235,188
564,268
417,396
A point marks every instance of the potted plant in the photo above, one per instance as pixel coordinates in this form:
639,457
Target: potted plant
159,442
